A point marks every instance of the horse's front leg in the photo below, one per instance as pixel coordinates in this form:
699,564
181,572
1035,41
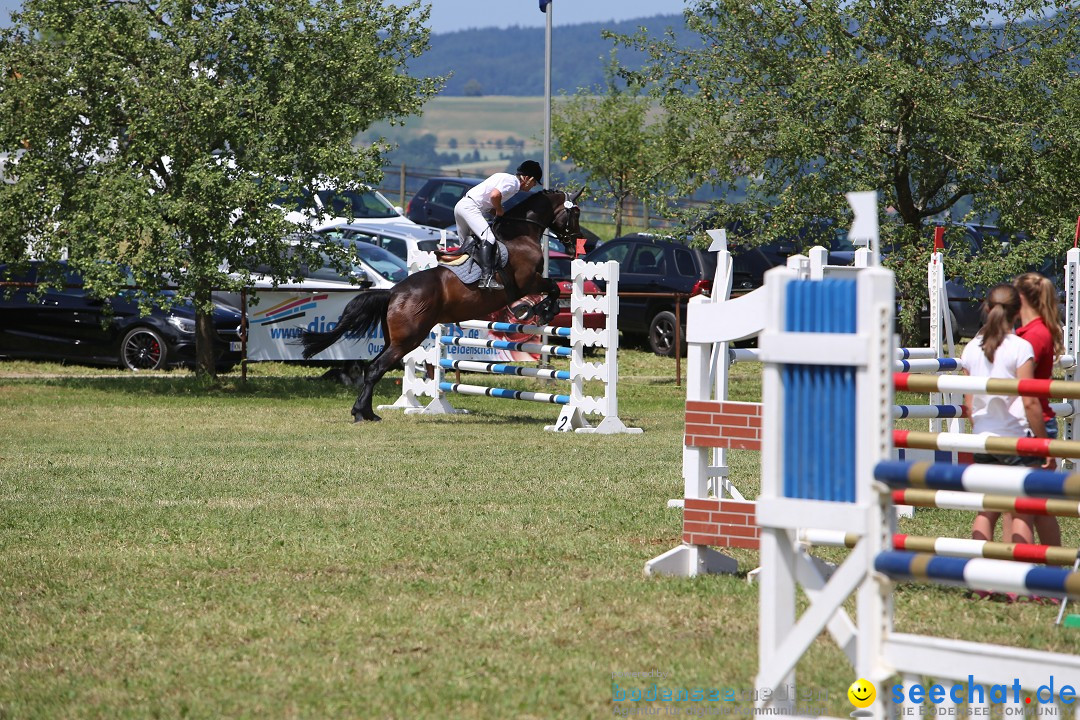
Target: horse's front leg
548,308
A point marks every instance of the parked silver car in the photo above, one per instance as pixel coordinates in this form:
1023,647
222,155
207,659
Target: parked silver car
397,238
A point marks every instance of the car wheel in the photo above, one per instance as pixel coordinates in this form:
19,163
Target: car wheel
143,349
662,333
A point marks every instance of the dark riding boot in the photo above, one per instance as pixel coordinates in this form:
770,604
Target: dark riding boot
487,259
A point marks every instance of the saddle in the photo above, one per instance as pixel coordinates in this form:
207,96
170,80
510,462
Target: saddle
463,254
461,263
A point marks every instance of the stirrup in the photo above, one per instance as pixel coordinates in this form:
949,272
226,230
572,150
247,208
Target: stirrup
490,282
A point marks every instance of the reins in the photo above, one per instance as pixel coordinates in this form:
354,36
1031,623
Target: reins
561,235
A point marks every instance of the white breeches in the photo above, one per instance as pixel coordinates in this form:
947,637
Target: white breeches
470,220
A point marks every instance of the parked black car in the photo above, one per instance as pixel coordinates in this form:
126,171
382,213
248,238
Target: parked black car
71,325
965,302
652,264
433,204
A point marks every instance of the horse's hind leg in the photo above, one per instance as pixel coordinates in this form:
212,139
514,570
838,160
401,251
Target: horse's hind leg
361,409
388,358
405,326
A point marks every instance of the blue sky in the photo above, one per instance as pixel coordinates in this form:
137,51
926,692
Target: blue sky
451,15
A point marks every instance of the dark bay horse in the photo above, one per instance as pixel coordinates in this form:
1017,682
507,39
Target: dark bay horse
411,308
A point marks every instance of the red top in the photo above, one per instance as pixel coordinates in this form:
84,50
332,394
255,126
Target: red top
1036,333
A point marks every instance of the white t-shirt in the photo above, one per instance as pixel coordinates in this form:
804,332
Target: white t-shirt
997,414
508,185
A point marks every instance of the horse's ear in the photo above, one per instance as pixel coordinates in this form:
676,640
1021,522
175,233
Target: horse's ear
577,194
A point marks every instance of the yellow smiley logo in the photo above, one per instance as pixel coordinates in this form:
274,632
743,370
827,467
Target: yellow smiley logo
862,693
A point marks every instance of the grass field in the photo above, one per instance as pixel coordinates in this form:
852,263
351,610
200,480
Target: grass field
481,119
172,549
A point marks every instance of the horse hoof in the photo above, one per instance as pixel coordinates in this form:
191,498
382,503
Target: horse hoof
522,311
366,418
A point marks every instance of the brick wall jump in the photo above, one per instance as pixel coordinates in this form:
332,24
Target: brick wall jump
720,522
723,424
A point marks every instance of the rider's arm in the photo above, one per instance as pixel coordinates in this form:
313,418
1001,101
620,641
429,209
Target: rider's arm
496,202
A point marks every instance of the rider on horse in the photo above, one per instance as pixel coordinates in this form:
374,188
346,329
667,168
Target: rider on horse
475,210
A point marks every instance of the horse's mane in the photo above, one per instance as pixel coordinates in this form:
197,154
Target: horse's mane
519,211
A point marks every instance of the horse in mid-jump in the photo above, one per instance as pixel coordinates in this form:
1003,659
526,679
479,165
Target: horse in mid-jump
411,308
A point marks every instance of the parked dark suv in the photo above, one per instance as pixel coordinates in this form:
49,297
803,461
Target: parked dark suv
434,203
652,264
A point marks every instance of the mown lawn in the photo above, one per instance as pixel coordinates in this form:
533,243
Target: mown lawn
172,549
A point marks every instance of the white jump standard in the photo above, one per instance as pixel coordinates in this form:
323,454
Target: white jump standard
854,377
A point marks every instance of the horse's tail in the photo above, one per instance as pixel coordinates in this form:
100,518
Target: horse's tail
359,316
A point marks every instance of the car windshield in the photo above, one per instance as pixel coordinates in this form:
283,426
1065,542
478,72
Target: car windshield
385,263
364,204
554,243
329,272
840,241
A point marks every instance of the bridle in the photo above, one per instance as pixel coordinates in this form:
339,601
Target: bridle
570,215
564,217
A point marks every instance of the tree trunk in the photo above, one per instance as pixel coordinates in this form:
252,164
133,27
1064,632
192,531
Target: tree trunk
205,334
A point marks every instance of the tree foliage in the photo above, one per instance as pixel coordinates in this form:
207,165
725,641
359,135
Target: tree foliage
615,139
925,101
155,134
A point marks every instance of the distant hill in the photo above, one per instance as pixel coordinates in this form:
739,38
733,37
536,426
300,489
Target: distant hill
492,61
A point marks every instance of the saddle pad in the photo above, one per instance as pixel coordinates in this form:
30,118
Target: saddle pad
467,269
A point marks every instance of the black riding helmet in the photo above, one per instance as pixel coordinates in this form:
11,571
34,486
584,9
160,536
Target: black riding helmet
531,168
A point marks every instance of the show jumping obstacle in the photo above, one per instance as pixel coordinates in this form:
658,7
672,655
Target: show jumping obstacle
814,367
715,514
576,404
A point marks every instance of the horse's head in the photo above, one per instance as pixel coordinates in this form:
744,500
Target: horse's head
565,224
552,209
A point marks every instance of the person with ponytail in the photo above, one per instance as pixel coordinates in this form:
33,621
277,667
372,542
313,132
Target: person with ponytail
1040,325
998,352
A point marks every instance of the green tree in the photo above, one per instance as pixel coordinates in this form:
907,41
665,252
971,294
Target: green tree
925,101
613,136
156,134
